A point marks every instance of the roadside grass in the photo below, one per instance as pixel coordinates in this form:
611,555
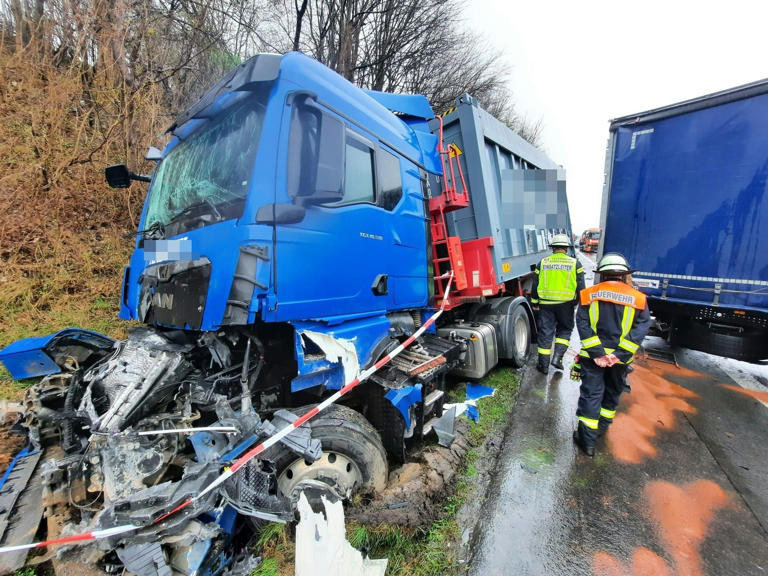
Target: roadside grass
275,544
428,550
46,292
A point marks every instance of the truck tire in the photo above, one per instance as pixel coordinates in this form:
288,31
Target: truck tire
353,457
750,345
521,337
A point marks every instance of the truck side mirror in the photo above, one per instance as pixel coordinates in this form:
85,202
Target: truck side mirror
118,176
330,165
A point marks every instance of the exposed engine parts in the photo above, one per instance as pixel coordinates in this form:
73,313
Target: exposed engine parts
133,438
146,424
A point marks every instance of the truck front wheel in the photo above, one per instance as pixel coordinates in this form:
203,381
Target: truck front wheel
353,459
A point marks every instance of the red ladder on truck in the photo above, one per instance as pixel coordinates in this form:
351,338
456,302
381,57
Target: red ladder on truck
446,250
449,253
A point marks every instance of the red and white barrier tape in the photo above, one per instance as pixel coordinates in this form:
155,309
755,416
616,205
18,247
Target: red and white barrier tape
252,453
84,537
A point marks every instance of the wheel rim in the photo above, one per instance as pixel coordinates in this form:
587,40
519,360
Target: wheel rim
332,468
521,336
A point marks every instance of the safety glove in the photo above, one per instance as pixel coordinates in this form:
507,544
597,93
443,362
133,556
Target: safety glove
576,371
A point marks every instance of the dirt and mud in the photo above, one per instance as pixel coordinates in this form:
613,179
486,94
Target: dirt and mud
10,444
416,489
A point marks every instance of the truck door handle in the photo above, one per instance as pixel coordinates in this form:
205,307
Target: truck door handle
379,287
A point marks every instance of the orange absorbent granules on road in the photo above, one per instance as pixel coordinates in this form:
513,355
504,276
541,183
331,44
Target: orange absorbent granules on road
644,413
681,516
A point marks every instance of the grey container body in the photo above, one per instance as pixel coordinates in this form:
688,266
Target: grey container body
517,194
482,354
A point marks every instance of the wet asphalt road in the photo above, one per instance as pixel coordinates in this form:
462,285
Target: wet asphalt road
679,486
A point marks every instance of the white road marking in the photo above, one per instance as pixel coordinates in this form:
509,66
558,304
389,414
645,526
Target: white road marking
743,379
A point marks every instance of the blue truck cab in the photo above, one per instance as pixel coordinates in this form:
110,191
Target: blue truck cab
284,157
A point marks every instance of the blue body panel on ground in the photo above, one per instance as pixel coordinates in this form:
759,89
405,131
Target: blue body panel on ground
685,200
28,358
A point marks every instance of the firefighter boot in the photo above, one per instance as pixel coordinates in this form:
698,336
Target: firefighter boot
557,357
585,439
543,364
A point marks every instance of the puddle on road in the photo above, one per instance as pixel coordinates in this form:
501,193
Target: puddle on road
648,410
681,516
536,459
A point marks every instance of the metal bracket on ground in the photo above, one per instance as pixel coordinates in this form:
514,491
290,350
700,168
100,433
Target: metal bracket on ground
445,427
662,356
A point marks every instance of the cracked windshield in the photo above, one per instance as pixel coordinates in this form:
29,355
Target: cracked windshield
205,178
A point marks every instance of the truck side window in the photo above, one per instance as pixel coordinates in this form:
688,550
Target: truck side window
390,180
316,155
303,151
358,172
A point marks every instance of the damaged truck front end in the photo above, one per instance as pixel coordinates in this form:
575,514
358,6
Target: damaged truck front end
125,433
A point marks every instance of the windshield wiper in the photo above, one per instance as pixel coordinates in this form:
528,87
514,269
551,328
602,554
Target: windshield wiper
156,231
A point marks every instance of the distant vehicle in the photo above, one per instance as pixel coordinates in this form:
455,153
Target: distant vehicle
590,240
685,201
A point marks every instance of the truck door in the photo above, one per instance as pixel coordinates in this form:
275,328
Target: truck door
339,260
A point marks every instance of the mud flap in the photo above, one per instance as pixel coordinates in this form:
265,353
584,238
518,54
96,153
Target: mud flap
445,427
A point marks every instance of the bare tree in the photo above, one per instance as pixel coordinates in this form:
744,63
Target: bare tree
414,46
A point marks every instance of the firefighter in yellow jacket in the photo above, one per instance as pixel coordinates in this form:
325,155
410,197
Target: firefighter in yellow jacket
612,319
558,279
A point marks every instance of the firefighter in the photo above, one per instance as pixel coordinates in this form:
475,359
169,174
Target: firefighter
556,284
612,319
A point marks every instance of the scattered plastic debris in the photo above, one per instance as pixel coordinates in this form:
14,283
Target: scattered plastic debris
469,407
322,547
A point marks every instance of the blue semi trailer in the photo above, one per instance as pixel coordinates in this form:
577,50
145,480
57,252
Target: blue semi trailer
296,231
685,201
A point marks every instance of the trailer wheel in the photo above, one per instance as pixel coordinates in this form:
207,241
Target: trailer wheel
750,345
353,457
520,340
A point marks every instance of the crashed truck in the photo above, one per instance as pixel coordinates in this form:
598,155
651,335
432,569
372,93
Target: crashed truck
297,233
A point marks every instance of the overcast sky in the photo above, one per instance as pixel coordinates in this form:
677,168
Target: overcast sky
576,65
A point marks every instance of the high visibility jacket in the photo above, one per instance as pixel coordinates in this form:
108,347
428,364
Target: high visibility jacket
612,317
557,278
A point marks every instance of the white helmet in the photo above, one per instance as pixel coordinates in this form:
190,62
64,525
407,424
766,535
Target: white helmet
613,263
560,241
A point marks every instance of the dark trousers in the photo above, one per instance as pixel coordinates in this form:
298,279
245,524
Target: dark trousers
601,389
555,321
